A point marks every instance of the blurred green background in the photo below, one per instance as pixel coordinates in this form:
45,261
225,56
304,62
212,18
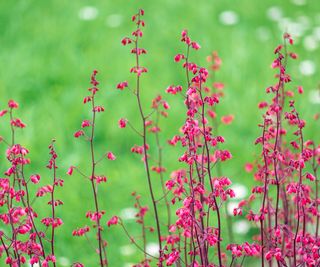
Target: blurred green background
48,50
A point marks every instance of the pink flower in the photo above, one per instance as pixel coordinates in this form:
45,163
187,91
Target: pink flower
218,86
70,170
23,229
13,104
195,45
85,123
300,89
113,221
3,112
293,55
98,109
178,57
17,123
122,85
87,99
111,156
165,105
174,90
310,177
211,114
248,167
126,41
262,105
173,257
34,260
78,134
35,178
81,231
227,119
122,123
44,190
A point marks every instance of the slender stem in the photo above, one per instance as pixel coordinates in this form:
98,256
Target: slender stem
30,212
53,209
161,174
135,243
94,189
210,180
314,168
266,173
144,137
298,198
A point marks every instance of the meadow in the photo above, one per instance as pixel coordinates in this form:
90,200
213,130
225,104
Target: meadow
50,48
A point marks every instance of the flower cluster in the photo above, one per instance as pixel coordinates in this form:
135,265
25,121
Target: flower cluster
188,207
88,128
289,205
25,240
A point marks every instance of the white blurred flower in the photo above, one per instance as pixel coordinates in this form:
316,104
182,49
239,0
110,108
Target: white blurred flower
307,67
310,43
128,264
314,96
128,214
283,23
304,21
294,28
229,17
240,190
317,18
114,20
274,13
88,13
231,206
152,249
263,33
127,250
241,227
64,261
316,33
35,265
299,2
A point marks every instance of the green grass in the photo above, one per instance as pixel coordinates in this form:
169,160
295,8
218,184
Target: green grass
47,54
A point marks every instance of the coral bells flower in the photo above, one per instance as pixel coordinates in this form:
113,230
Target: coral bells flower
174,89
44,190
122,123
172,258
70,170
122,85
81,231
23,229
195,45
85,123
113,221
13,104
179,57
98,109
126,41
17,123
300,89
248,167
227,119
262,105
3,112
78,134
35,178
87,99
310,177
111,156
